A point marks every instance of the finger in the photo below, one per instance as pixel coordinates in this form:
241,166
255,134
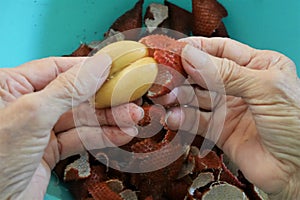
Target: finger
14,83
123,115
224,48
68,90
182,95
188,119
40,73
42,109
242,54
189,95
78,140
5,97
51,153
72,87
220,75
206,100
84,115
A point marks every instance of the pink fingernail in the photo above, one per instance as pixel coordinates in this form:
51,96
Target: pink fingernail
132,131
167,117
142,113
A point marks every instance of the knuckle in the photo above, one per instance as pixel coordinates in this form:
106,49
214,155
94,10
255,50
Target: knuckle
189,119
227,40
69,86
30,104
188,94
274,79
228,71
32,108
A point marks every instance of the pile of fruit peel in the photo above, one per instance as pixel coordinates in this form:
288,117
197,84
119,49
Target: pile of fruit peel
190,176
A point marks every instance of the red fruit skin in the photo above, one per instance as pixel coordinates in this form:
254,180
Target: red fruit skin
130,22
182,24
101,191
221,31
207,16
167,53
82,50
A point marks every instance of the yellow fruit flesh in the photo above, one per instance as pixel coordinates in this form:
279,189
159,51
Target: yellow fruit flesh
123,53
132,74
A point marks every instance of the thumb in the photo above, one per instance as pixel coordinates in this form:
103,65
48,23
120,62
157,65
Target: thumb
77,84
218,74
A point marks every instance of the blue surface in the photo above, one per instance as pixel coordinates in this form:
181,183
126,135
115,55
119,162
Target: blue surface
57,190
32,29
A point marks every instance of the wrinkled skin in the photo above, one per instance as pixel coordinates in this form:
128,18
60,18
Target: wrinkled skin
260,93
37,107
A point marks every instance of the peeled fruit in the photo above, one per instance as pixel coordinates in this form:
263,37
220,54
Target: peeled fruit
123,53
132,74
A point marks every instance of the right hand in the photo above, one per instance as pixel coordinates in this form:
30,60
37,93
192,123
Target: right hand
261,93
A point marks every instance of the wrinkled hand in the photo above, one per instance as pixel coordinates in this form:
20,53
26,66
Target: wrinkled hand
44,117
257,93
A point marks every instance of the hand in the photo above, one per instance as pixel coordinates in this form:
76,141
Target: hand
260,93
36,100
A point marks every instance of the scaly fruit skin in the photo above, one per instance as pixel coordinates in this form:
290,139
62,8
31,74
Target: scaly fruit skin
130,22
221,31
101,191
132,74
207,15
182,24
167,53
82,50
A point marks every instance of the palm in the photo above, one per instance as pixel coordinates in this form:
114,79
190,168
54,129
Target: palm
241,139
14,85
236,122
239,135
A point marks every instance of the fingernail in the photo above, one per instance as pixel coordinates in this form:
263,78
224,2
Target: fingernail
142,113
132,131
136,113
169,113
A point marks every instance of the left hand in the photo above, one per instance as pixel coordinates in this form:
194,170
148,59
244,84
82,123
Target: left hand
35,103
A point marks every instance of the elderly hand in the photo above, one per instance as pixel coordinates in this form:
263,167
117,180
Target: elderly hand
257,92
37,127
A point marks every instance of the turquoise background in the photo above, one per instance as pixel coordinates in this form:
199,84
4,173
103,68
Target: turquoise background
32,29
